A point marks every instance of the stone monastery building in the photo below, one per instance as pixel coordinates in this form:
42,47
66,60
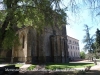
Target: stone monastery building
49,46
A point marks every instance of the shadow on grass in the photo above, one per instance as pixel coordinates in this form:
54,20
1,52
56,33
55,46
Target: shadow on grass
70,64
93,72
67,65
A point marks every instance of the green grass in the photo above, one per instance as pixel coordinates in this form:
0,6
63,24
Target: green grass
16,65
67,65
31,67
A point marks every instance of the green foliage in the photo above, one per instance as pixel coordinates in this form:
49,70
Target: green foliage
93,46
36,13
54,67
2,16
16,65
96,45
31,67
67,65
88,40
82,54
10,39
98,38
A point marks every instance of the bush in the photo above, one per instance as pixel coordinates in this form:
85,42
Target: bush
82,55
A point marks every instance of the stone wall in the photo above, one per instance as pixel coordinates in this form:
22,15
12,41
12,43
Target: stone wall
19,51
39,47
59,50
5,55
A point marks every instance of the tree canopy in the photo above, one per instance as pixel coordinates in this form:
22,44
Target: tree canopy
36,13
92,45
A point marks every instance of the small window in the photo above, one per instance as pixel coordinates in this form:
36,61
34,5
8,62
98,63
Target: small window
78,48
70,41
73,47
74,54
71,54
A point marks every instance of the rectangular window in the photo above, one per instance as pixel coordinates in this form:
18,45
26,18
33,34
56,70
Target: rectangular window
71,47
78,48
69,41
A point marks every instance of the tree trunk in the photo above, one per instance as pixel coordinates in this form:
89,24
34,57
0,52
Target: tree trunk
9,20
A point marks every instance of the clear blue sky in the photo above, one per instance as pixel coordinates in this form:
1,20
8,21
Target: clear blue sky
76,27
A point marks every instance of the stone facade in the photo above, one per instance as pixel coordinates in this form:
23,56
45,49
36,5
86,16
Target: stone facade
48,46
73,48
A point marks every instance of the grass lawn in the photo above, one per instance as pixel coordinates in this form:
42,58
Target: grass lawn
67,65
16,65
31,67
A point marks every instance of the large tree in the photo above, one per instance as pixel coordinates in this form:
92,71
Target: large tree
95,46
88,40
98,40
21,13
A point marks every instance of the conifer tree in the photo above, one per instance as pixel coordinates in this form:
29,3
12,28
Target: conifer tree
98,40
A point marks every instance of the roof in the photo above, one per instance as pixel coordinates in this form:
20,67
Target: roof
72,38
